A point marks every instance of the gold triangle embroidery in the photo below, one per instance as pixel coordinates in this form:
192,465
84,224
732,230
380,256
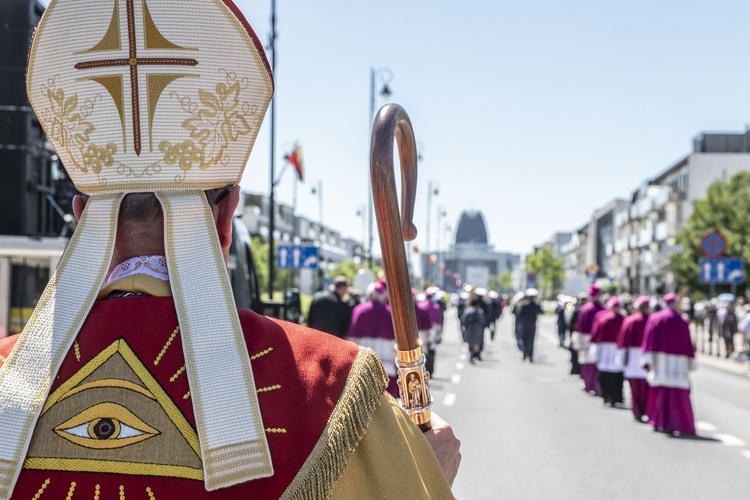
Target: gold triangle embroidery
154,38
111,39
112,416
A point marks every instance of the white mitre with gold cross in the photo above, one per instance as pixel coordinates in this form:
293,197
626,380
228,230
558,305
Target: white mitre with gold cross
157,96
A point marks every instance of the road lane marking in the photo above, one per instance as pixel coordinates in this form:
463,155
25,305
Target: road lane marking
459,366
705,426
456,378
449,399
729,440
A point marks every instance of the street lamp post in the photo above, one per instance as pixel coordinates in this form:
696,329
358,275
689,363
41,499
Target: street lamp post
441,213
318,191
361,212
432,188
386,75
272,180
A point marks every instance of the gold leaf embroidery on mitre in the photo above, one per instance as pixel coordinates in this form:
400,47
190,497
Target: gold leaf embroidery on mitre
217,119
66,123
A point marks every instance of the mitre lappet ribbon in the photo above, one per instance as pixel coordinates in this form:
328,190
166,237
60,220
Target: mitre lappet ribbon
225,402
26,375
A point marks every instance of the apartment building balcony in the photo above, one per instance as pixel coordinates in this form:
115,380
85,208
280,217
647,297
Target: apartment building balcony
645,237
661,231
633,241
645,205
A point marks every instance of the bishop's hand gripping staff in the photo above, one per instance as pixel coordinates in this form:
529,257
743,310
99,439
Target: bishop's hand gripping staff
393,122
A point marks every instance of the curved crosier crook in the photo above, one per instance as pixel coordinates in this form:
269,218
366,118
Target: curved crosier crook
393,122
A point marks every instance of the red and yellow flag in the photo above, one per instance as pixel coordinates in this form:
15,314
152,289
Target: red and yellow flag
295,159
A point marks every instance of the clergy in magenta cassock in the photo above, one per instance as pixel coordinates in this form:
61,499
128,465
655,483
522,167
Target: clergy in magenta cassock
630,341
669,356
136,376
582,340
604,350
372,326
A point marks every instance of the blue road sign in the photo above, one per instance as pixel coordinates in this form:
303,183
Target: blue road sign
298,257
722,271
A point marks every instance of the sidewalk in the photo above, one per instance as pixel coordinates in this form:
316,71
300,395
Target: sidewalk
730,365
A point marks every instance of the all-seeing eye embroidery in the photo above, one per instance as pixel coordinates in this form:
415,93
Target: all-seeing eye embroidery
114,416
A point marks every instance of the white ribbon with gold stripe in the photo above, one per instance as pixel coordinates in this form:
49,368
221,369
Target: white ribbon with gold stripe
27,374
227,414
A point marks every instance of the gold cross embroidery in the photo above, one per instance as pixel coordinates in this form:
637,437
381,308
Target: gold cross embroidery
155,82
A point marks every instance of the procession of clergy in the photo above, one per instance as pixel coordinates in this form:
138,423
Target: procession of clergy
651,350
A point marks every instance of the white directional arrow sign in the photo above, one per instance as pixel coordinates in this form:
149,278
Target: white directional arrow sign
727,270
298,257
283,254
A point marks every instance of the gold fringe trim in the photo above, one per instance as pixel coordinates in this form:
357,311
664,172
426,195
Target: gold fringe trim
361,397
261,353
97,492
77,350
150,492
276,430
2,359
187,395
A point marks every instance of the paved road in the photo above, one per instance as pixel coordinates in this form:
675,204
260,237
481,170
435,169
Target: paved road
529,432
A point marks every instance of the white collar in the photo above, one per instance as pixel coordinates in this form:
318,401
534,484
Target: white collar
152,265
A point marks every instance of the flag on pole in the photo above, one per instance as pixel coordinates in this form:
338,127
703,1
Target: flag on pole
295,159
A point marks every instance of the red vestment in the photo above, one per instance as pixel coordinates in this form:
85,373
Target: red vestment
125,379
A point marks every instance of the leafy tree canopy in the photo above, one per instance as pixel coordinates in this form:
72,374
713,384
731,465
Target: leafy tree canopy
549,270
725,208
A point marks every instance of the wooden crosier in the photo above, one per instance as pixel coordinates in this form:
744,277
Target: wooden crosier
393,122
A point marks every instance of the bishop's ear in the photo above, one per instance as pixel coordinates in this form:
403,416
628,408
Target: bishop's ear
224,214
78,205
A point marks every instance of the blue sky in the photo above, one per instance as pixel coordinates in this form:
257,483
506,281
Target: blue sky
534,112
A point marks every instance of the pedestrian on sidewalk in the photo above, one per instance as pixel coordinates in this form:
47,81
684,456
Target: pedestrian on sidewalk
563,303
582,340
604,333
630,341
527,318
472,322
669,358
727,327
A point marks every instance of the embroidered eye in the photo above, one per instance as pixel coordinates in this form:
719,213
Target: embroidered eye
105,426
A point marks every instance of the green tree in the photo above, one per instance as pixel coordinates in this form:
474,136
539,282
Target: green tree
506,281
502,282
346,268
349,268
549,270
725,208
